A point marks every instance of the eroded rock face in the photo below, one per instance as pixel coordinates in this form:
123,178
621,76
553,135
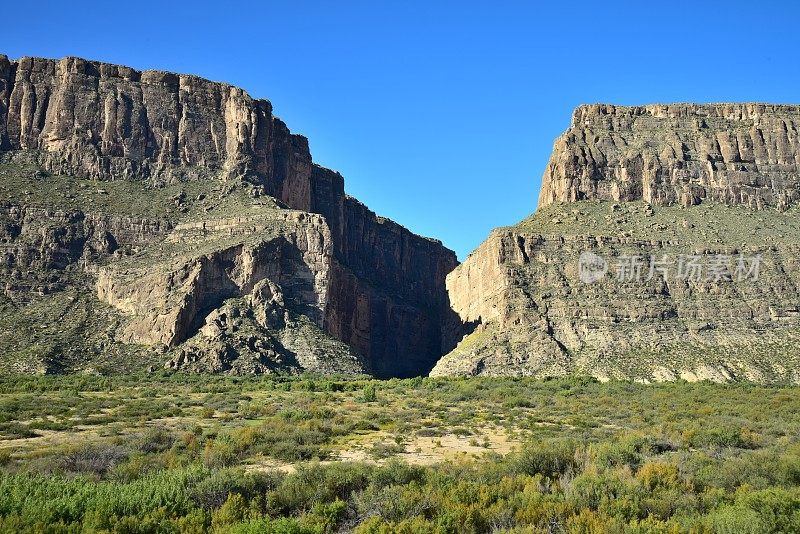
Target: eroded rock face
244,295
678,154
169,295
108,122
112,122
538,317
648,182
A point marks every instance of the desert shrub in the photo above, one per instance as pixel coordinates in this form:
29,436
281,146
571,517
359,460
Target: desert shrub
135,467
431,432
16,430
254,410
47,424
52,499
628,451
314,483
720,437
148,409
219,453
368,394
395,503
156,439
657,475
94,459
290,442
758,469
550,458
213,490
302,444
381,450
778,509
395,472
265,525
324,517
735,520
607,493
540,510
362,425
233,510
790,466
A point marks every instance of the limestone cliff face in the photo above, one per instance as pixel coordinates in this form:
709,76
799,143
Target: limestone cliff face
111,123
538,317
648,182
737,154
168,294
239,294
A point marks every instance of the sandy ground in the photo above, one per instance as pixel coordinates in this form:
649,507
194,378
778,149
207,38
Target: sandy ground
419,450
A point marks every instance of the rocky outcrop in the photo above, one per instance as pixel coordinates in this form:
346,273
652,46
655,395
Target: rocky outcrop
537,316
170,290
678,154
229,294
642,192
107,122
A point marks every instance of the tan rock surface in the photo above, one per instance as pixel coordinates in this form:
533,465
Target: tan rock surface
649,181
85,123
678,154
535,316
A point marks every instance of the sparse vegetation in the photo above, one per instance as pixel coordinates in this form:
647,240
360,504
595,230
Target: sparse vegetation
192,453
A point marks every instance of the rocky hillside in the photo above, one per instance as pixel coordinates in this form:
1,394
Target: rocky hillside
201,224
665,246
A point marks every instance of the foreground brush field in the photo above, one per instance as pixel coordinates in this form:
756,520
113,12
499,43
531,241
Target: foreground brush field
190,453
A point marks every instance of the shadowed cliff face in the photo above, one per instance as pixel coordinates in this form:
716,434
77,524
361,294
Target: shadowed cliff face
678,154
87,119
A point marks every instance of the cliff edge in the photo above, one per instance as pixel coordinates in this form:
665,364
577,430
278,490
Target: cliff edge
198,152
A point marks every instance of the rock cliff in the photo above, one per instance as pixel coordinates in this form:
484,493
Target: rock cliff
146,153
665,207
736,154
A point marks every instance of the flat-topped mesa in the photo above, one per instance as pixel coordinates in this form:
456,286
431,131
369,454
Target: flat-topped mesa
678,154
95,120
103,121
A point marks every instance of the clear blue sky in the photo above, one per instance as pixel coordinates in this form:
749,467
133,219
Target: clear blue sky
440,115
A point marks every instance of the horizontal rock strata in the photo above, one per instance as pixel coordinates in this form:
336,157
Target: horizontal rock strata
108,123
737,154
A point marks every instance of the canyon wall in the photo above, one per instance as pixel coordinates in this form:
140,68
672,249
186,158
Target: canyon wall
678,154
660,185
108,123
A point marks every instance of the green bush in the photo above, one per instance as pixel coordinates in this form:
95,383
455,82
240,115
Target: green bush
550,458
213,490
369,394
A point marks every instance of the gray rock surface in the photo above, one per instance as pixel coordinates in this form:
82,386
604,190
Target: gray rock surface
678,154
105,123
645,182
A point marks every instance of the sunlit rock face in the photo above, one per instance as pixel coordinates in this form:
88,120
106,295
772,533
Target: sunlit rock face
654,184
384,294
678,154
